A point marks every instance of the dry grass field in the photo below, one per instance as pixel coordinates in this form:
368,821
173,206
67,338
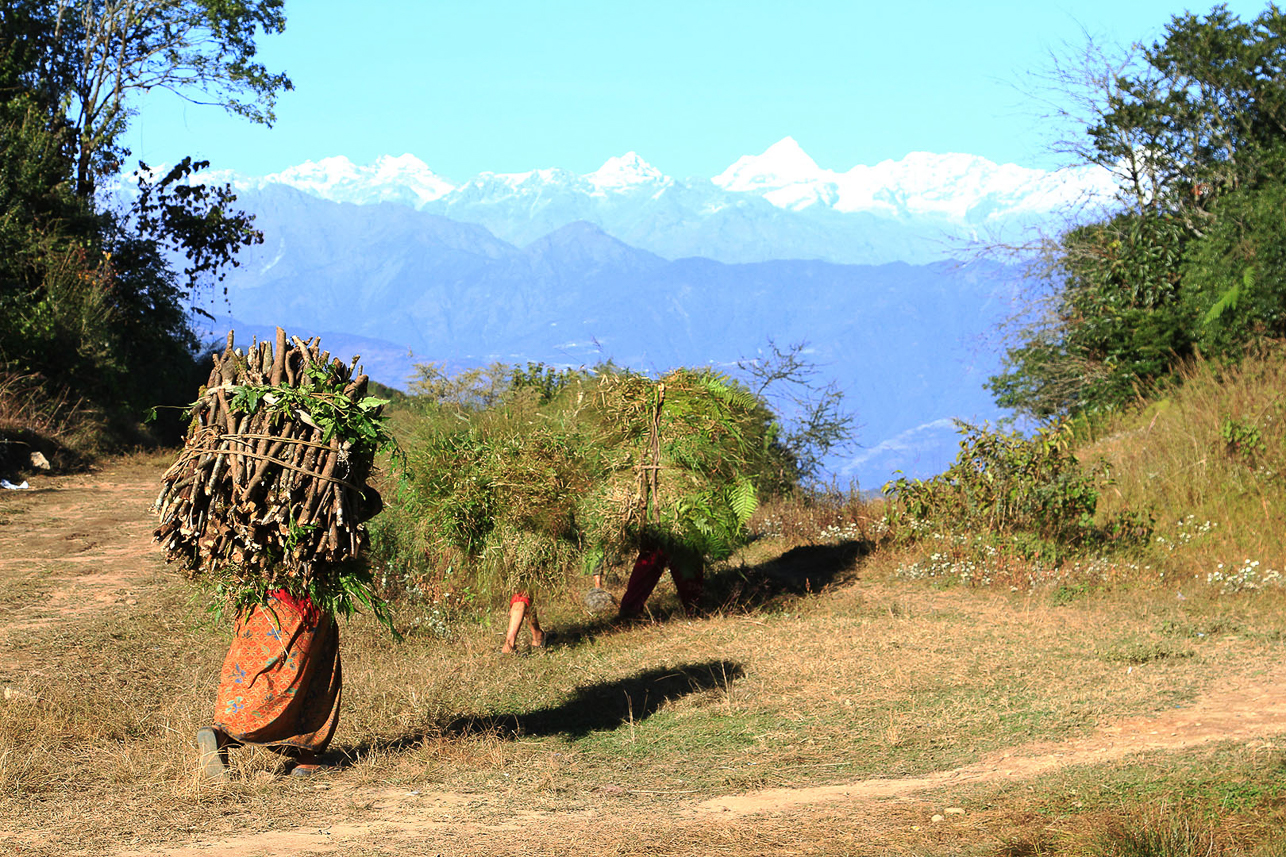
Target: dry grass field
830,706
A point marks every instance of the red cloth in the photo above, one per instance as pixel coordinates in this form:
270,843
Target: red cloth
303,606
281,681
520,598
648,568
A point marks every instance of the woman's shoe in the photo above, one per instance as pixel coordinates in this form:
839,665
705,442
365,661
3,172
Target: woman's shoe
214,765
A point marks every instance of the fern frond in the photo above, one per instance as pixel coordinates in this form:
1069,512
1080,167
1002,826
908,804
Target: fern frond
743,500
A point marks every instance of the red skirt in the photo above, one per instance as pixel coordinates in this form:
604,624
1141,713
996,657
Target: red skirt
280,683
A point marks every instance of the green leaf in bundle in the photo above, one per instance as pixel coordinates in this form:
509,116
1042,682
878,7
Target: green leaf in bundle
358,586
743,500
296,534
737,397
592,559
370,403
246,398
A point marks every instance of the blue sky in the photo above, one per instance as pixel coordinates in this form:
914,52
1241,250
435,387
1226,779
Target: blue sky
691,86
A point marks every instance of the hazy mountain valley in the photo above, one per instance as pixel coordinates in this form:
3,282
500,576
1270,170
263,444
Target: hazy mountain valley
631,265
906,342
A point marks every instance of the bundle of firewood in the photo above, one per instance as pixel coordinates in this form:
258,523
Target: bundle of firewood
270,488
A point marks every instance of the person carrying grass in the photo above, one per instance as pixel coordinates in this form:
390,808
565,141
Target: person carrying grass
520,608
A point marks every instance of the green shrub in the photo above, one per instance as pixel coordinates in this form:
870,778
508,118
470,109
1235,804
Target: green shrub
1033,493
1242,438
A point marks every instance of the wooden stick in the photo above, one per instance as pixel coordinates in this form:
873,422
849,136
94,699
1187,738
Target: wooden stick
278,360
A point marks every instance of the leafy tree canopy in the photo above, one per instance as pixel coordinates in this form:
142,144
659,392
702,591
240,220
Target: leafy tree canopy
94,311
1196,119
202,50
1194,129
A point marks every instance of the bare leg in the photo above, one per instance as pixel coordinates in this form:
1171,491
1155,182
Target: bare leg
537,633
517,612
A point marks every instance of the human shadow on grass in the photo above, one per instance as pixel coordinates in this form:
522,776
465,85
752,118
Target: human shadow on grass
606,705
591,708
802,570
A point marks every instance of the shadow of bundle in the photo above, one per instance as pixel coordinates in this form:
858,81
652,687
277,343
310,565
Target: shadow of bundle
270,489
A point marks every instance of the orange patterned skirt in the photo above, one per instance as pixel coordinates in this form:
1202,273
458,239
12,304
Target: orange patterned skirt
280,683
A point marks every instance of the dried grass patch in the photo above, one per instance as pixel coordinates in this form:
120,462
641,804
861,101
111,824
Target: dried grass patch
616,730
1210,461
1228,800
36,418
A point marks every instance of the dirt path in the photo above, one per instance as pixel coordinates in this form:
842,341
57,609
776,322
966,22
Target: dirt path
86,542
1246,713
79,544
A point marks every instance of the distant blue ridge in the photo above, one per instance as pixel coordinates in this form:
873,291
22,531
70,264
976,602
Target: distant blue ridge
401,287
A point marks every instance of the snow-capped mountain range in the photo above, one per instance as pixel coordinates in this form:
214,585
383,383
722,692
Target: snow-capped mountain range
776,205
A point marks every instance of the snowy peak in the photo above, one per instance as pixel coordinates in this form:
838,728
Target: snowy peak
405,179
532,180
782,164
955,188
623,173
779,204
964,188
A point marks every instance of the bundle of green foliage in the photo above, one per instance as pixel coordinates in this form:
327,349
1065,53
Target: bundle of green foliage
1029,495
695,443
1194,129
486,503
561,473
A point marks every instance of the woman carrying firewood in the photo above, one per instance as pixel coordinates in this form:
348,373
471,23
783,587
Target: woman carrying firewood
267,502
279,686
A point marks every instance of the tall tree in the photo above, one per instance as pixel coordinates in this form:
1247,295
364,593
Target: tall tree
33,68
202,50
1194,129
93,307
1194,120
